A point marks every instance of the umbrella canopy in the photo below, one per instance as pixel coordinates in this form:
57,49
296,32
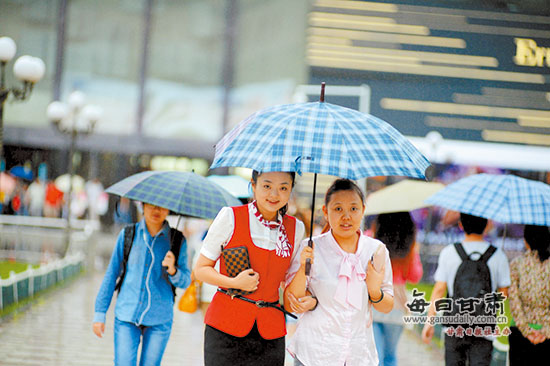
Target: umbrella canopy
234,184
406,195
63,181
22,172
320,138
184,193
504,198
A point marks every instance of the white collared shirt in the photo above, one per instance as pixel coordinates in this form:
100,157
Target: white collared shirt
222,228
334,334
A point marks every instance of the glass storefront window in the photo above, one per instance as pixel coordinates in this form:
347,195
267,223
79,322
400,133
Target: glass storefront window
103,57
33,26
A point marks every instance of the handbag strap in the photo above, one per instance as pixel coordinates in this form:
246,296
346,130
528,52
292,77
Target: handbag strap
259,303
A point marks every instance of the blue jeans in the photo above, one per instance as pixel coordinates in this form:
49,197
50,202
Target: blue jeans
386,337
128,336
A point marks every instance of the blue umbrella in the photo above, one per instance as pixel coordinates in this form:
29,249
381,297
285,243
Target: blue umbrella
184,193
20,171
504,198
320,138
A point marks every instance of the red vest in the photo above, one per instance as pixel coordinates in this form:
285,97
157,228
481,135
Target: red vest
236,317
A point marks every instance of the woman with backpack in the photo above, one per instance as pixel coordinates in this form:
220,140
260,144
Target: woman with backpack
145,303
530,299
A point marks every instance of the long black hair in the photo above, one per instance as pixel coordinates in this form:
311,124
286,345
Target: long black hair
538,238
256,174
397,231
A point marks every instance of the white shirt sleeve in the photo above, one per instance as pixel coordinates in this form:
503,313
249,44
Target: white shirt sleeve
387,282
503,277
441,273
298,237
219,234
295,262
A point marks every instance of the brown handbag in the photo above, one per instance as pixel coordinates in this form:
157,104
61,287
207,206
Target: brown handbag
236,260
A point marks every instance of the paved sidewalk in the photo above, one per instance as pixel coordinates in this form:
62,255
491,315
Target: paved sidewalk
57,331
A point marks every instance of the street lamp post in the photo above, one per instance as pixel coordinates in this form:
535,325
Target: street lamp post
72,119
26,68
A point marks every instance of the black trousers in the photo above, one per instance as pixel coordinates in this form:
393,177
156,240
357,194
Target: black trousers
224,349
469,350
523,352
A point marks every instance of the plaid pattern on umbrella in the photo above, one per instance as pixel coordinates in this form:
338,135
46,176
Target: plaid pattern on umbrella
182,192
504,198
319,138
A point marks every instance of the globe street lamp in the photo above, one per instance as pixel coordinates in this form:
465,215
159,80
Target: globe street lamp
26,68
73,118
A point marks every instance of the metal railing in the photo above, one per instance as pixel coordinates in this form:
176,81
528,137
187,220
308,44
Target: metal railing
23,285
40,240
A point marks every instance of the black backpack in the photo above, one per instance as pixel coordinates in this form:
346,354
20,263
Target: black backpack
472,280
176,238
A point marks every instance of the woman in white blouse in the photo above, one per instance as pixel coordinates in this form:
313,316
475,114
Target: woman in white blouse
345,282
249,329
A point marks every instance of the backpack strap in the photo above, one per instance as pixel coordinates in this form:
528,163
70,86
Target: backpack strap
488,253
129,232
461,252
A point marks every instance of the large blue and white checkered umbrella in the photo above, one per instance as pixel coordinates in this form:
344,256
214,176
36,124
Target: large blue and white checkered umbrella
319,138
184,193
504,198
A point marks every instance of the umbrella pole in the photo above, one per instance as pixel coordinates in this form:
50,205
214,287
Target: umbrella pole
310,241
504,236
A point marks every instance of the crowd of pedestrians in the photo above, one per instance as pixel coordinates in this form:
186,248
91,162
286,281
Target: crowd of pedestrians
47,198
351,305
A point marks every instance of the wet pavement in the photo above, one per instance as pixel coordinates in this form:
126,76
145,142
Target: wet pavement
57,330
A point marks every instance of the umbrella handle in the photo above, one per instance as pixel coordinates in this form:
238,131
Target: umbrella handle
308,261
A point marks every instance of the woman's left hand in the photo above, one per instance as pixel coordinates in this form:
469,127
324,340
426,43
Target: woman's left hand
302,304
374,280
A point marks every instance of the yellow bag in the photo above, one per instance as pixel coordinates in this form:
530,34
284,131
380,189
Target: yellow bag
189,301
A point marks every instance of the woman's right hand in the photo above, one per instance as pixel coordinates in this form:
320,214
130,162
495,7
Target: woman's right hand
247,280
307,253
99,329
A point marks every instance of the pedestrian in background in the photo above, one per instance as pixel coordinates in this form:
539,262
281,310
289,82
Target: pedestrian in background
145,303
398,232
477,350
530,299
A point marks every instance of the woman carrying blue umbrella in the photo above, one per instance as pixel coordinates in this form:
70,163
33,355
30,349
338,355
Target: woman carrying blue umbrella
346,280
249,329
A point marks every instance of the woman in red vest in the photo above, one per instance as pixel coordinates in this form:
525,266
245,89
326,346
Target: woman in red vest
250,329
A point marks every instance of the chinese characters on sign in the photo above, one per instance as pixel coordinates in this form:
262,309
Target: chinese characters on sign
464,322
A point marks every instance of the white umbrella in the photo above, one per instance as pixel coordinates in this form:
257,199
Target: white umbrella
234,184
62,183
404,196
